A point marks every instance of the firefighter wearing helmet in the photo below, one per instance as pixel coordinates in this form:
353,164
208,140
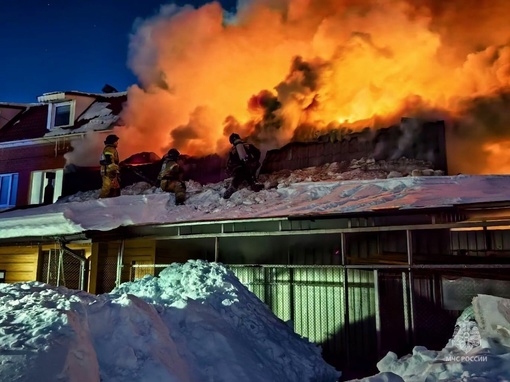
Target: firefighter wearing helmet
242,164
110,171
171,176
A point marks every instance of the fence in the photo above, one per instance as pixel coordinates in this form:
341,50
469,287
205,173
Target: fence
359,314
61,267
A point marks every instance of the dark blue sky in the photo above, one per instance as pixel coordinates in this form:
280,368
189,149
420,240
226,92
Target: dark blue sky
59,45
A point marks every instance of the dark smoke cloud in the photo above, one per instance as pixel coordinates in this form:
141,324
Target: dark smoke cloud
482,121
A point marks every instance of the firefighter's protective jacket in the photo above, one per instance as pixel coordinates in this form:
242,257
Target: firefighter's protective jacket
109,162
170,170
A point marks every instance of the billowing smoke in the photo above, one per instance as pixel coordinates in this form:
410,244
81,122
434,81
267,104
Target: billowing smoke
280,70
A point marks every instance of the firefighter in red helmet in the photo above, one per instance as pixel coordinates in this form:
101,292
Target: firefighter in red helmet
242,164
171,176
110,171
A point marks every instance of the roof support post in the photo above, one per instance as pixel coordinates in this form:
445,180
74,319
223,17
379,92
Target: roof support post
216,248
409,241
120,259
345,290
410,262
377,312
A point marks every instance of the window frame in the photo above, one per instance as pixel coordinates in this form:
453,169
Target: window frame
52,112
12,193
38,182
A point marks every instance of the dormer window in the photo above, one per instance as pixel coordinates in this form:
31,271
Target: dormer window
61,114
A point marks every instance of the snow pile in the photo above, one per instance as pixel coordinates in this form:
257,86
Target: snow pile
479,350
357,169
195,322
362,169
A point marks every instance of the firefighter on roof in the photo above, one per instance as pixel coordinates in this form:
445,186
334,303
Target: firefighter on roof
242,165
110,171
171,175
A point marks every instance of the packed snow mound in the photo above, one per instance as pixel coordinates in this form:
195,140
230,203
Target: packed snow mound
254,344
195,322
479,350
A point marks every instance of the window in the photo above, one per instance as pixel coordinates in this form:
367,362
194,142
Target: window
61,114
8,189
46,186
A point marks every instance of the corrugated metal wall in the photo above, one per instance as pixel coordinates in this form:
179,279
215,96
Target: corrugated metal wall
313,298
357,326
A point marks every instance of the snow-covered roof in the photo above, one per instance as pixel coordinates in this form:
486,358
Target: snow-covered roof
102,114
16,105
145,205
87,94
103,95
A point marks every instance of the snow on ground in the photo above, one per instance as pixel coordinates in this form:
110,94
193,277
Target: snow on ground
478,351
194,322
197,322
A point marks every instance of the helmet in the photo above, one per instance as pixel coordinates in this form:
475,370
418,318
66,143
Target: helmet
111,139
233,137
173,154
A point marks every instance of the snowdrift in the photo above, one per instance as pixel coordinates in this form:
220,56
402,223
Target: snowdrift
479,350
194,322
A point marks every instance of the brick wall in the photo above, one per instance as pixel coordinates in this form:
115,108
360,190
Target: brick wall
23,160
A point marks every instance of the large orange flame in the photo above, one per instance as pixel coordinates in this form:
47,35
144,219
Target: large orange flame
279,69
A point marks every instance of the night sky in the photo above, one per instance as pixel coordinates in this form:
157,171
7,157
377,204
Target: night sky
61,45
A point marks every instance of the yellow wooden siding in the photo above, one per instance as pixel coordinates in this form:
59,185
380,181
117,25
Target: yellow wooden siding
20,263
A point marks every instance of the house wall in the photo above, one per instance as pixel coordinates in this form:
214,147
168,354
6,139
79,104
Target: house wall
25,159
23,263
20,263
